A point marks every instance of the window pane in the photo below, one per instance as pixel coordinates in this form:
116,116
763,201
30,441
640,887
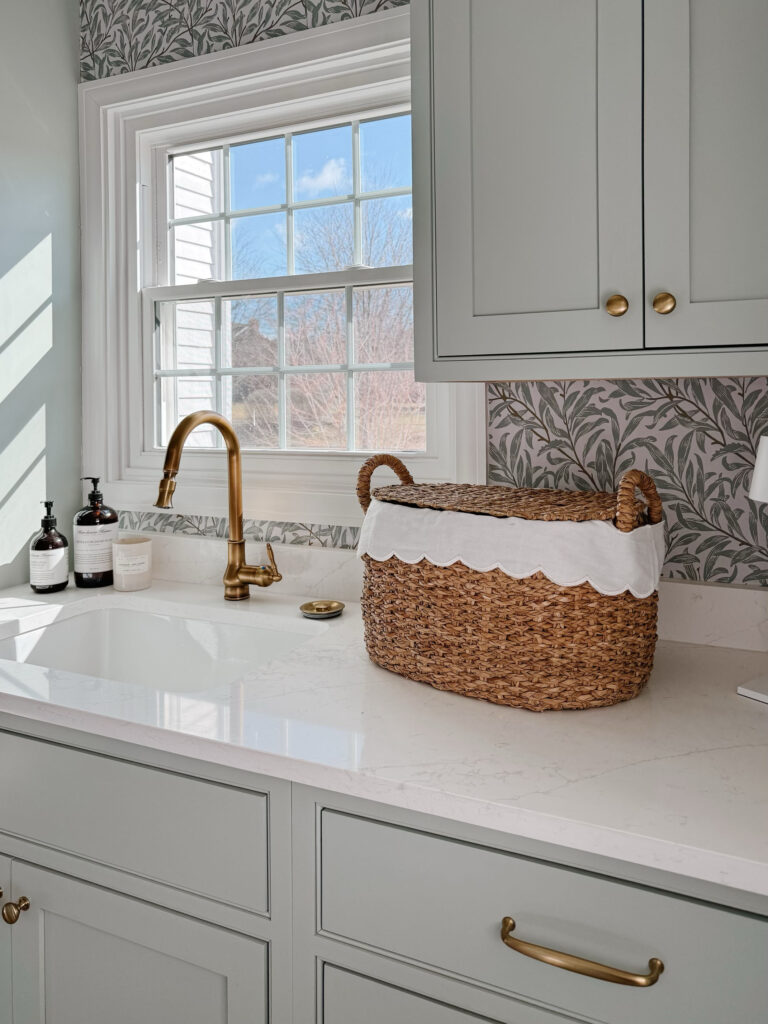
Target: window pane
317,410
186,336
257,174
249,331
385,153
387,231
197,188
180,396
322,163
323,238
259,246
251,400
315,329
390,411
198,252
383,324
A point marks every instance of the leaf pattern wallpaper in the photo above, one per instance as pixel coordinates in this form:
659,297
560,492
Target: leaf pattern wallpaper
125,35
312,534
697,438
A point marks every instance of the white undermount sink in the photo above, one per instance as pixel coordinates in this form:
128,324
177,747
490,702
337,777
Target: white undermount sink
165,652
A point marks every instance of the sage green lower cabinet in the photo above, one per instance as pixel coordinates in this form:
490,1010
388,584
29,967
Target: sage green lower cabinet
82,955
5,945
159,887
165,890
417,904
350,998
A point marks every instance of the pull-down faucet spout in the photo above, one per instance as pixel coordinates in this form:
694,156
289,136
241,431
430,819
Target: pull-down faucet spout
238,576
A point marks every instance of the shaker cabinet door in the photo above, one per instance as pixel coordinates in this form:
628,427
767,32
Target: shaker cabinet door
83,955
706,172
5,945
527,188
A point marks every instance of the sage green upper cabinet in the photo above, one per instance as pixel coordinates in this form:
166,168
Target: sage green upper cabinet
536,173
706,171
533,205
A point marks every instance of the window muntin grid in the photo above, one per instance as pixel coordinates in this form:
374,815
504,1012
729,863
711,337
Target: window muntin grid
279,376
219,372
222,219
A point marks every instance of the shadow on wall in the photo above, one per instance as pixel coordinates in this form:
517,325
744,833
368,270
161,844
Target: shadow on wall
26,341
697,438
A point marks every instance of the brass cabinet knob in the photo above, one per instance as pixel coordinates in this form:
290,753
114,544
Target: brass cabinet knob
616,305
12,911
664,302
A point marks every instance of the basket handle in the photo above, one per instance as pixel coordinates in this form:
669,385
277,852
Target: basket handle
366,472
625,500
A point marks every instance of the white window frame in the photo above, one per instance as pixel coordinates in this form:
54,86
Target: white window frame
127,124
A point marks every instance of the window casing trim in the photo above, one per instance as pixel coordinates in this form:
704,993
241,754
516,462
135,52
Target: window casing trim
127,125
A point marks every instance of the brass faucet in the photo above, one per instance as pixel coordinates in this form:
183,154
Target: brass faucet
238,576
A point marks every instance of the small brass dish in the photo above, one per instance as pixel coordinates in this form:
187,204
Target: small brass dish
322,609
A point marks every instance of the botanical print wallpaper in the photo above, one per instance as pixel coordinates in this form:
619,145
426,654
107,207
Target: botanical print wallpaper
696,438
124,35
253,529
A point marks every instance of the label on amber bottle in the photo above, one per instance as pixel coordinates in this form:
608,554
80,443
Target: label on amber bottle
47,568
93,547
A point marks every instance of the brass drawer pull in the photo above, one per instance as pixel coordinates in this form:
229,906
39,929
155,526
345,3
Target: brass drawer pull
12,911
577,964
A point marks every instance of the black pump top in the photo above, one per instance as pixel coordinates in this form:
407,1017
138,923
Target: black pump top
95,495
48,522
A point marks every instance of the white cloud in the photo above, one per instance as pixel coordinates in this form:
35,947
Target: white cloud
265,179
332,177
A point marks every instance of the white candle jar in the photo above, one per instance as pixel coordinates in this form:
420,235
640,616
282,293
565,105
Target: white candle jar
132,563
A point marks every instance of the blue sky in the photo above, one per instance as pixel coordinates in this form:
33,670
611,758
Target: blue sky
322,169
322,163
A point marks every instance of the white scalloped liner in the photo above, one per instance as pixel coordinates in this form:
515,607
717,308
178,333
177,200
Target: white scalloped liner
568,554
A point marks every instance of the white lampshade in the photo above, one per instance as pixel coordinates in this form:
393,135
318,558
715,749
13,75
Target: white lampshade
759,488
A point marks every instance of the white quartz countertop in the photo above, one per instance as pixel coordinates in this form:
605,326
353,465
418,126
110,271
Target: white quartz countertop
676,779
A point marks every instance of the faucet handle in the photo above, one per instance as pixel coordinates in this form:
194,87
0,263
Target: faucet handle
276,577
260,575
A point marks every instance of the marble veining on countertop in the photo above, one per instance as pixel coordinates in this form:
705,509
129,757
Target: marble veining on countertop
676,779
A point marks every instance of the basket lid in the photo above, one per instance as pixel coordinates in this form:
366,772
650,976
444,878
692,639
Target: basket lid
620,506
503,502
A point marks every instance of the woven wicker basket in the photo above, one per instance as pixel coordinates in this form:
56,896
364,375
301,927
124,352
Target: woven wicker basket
526,642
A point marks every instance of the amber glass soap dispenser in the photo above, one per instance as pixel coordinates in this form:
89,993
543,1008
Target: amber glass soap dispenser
95,530
48,556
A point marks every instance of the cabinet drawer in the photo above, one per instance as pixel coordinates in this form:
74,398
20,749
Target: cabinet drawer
199,836
440,903
350,998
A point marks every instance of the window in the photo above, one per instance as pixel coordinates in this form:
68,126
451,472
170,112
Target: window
247,246
329,366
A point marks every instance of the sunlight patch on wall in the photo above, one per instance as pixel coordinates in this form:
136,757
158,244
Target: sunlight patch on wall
26,316
23,476
25,350
25,288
